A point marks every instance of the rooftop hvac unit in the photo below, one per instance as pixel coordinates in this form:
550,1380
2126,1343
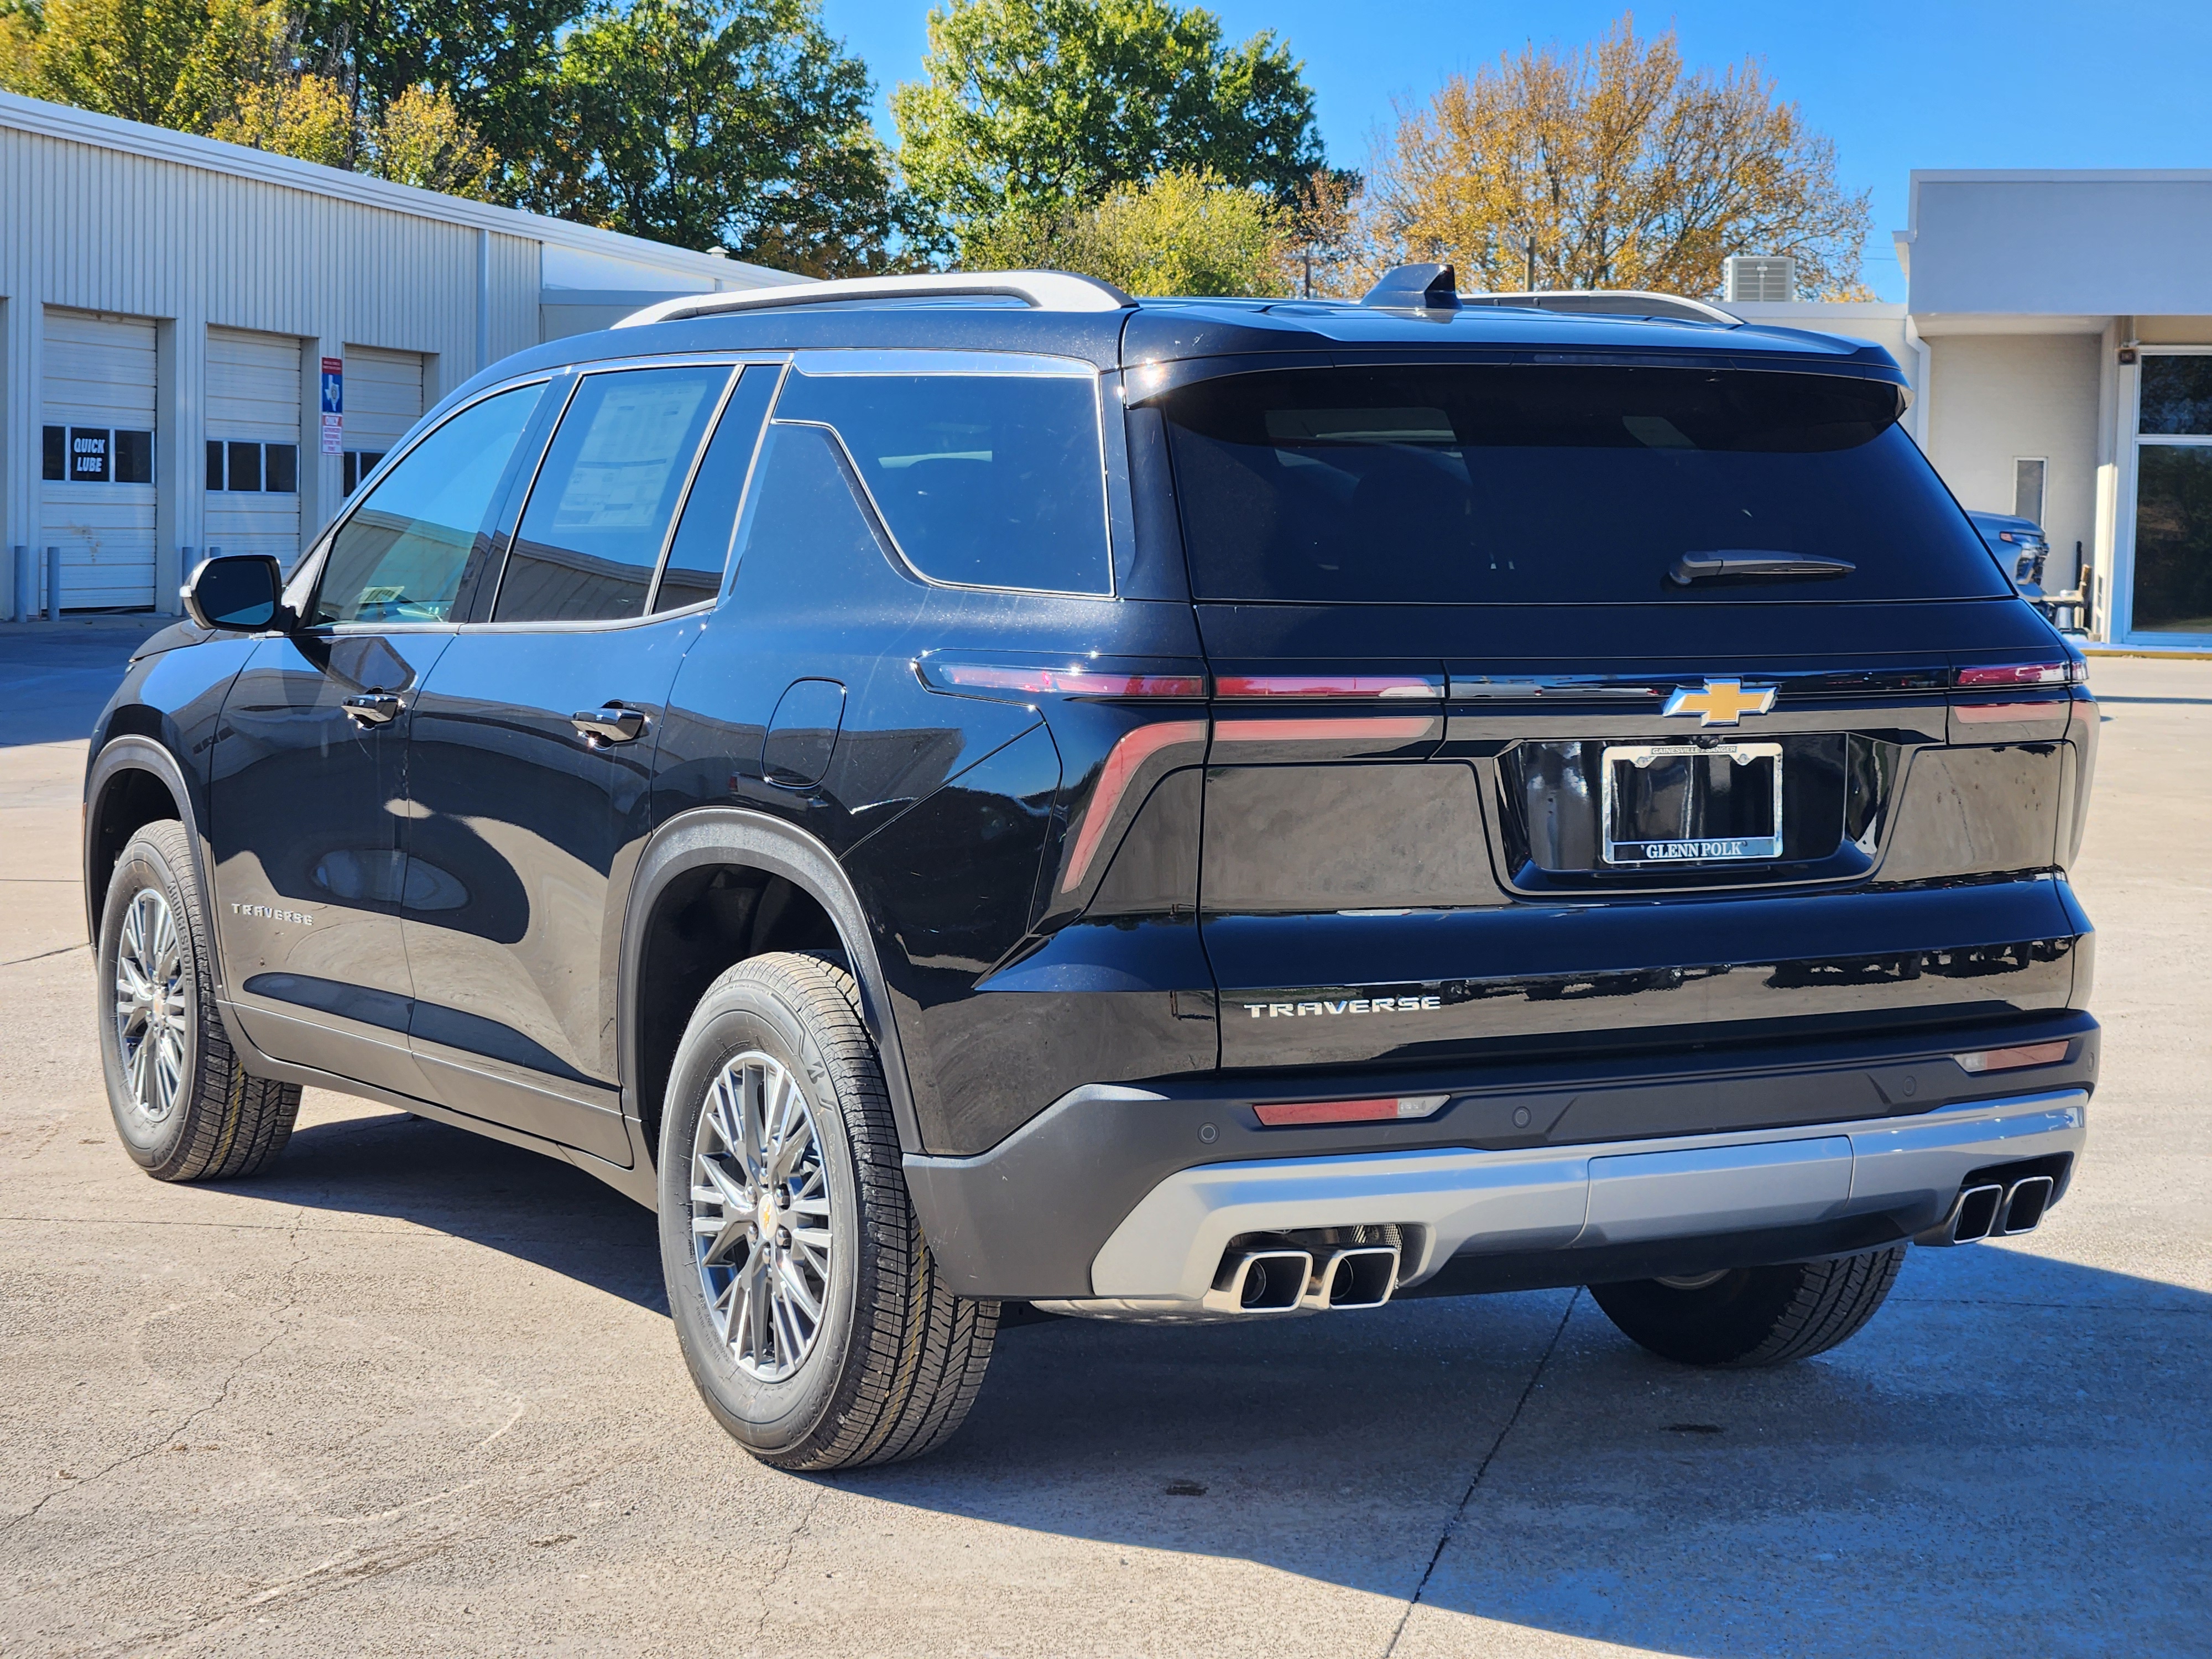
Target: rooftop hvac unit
1756,277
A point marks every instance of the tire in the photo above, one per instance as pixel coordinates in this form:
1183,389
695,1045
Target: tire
1751,1317
184,1107
893,1360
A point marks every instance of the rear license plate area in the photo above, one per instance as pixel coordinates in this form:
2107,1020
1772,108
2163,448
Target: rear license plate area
1681,803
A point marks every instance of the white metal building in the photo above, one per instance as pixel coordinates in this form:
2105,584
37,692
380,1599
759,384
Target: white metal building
176,314
2058,331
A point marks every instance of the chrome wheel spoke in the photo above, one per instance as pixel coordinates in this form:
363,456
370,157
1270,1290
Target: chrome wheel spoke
761,1215
150,1011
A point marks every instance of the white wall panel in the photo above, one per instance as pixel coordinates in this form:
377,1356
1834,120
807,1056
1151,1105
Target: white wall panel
1999,397
100,373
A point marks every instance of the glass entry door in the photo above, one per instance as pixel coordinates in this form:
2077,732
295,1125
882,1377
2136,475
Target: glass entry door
2171,592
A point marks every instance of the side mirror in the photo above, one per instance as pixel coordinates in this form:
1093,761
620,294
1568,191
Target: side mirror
236,592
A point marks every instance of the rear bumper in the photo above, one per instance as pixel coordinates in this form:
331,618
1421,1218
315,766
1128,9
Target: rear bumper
1531,1170
1451,1204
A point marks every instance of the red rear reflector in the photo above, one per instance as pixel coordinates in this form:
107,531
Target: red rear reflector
1073,682
1284,1114
1329,685
2021,673
2011,1059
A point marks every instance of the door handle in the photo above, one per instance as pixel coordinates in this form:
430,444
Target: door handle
610,725
371,709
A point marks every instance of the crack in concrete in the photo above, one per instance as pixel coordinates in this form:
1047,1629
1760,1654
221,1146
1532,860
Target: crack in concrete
361,1566
40,956
162,1443
783,1562
1459,1514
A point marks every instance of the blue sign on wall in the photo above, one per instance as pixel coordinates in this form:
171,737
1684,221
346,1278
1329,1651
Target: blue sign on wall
333,405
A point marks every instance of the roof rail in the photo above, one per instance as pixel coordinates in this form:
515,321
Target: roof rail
1610,302
1043,290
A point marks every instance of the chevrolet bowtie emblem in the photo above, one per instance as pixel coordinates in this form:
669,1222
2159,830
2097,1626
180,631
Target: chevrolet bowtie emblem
1723,703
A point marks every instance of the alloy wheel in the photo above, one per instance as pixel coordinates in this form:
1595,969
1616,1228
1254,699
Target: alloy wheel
150,1004
760,1216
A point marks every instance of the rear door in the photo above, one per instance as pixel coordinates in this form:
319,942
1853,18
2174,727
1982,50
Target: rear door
533,742
1568,706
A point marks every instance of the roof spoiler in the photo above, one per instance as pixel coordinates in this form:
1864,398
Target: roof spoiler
1040,290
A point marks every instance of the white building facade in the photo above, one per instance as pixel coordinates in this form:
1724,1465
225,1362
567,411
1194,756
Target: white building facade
204,346
2058,329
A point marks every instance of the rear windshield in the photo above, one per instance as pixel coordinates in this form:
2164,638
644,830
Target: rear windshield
1560,485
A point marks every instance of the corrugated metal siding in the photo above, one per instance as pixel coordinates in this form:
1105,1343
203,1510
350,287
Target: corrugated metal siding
106,217
98,374
102,230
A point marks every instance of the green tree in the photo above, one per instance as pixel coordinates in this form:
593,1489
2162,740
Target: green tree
1183,232
179,63
497,60
732,122
1031,106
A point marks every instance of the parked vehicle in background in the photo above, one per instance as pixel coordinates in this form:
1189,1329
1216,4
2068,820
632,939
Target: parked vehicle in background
2019,546
972,789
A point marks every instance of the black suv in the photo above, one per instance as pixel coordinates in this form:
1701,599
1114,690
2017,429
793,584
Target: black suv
971,790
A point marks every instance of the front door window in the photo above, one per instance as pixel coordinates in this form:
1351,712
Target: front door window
2172,590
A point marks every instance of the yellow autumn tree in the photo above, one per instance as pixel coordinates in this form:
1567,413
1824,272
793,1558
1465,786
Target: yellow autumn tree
1186,232
1612,166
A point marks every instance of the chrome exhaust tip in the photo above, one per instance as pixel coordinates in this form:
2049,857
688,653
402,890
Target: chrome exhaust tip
1261,1282
2025,1204
1359,1276
1976,1214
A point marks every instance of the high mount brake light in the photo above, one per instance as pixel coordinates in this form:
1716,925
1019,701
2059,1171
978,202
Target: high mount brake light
1282,1115
2068,672
1393,686
1072,681
2012,1059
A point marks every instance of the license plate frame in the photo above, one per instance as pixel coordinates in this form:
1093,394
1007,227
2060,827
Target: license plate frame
1647,852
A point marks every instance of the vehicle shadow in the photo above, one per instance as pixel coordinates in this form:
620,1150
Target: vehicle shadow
2011,1457
506,1199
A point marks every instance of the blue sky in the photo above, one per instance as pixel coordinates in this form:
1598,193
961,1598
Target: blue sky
1898,85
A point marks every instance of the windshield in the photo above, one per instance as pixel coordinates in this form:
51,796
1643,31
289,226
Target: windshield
1561,485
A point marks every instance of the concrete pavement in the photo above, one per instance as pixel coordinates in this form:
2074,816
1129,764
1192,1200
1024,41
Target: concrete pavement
414,1392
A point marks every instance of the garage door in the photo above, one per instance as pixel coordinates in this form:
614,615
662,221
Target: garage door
96,497
253,444
383,399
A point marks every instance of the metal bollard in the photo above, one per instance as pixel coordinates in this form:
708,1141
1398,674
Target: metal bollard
53,583
24,584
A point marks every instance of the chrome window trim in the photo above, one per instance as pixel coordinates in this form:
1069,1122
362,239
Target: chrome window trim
827,361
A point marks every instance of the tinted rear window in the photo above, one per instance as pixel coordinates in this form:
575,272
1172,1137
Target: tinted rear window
986,480
1544,484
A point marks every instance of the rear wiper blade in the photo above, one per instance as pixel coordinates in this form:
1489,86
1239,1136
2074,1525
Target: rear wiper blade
1756,563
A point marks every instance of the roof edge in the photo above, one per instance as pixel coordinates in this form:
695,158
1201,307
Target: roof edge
83,126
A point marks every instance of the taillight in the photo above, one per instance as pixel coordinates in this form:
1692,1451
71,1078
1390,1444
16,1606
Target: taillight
1003,680
2013,1059
1279,1115
1430,687
2065,672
